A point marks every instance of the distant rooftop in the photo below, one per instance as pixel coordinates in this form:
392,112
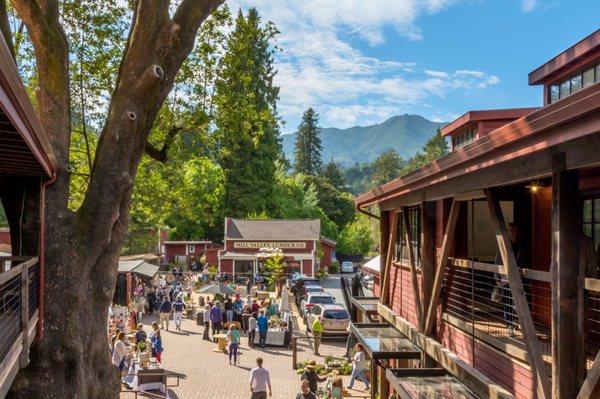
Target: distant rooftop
273,229
485,115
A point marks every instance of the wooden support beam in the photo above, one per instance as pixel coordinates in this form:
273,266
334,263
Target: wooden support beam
568,354
518,294
591,386
389,257
427,252
408,240
24,356
447,244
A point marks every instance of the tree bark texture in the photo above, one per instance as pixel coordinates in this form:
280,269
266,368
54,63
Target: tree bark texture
72,360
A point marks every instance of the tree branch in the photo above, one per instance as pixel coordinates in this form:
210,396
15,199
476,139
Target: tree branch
161,155
5,27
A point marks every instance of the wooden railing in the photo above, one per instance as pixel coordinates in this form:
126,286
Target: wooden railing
19,301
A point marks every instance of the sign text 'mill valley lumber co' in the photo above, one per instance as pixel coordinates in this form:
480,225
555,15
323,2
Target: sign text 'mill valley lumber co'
269,244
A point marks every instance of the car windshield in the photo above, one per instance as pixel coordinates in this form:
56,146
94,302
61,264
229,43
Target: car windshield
335,314
314,288
321,299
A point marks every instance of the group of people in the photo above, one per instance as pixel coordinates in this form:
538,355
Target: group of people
218,313
121,347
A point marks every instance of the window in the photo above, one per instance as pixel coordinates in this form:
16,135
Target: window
191,248
588,77
316,310
591,219
336,314
565,88
414,224
576,83
464,138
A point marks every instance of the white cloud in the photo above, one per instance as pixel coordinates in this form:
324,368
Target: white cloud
322,66
529,5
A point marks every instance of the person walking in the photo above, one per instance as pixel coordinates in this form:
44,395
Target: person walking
233,338
120,352
305,391
178,308
358,367
165,312
216,318
263,327
260,380
252,324
317,330
206,323
156,341
311,377
229,310
248,286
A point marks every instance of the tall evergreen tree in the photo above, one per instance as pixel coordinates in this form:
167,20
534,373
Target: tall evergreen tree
387,167
307,154
435,148
334,175
246,121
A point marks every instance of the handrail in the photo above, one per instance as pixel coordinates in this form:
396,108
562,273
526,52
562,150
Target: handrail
590,284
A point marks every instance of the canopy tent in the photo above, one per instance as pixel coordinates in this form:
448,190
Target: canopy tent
373,266
140,267
217,289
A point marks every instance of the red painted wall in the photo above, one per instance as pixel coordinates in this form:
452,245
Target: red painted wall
326,259
307,267
5,236
227,266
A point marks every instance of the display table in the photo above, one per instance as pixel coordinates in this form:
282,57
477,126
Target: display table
146,379
260,295
274,337
221,342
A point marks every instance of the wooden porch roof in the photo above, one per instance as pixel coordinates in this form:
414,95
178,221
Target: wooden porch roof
24,147
511,145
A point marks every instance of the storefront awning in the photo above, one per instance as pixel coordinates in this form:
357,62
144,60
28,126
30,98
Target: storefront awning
140,267
245,256
427,384
383,341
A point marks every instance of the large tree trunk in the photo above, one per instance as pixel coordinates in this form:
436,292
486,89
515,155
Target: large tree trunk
72,360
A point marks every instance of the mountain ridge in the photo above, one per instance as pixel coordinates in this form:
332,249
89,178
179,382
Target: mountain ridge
406,133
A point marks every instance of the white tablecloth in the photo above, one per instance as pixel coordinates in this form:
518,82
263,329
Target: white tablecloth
275,338
132,381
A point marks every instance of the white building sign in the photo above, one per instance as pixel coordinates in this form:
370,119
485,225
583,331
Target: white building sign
269,244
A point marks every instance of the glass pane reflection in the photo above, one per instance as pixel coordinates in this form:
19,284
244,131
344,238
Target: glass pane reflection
446,387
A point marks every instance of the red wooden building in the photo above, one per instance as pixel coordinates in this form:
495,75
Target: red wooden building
27,166
490,255
247,242
182,252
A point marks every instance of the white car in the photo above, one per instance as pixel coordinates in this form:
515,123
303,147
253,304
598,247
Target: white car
347,267
335,318
315,298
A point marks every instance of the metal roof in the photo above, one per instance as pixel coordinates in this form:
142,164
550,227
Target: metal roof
273,229
24,147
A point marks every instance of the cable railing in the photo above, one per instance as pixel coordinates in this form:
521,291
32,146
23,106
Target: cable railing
19,302
479,301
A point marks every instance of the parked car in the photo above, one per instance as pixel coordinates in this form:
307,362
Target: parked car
347,267
304,280
307,289
315,298
335,318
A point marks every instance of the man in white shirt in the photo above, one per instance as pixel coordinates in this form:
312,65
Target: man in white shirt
260,381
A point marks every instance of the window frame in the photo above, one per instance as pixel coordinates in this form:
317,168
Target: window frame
414,220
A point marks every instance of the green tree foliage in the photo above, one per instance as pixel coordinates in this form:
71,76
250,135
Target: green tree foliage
307,153
246,121
435,148
387,167
334,175
357,237
295,198
337,205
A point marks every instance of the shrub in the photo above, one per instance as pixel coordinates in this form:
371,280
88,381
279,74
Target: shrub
321,273
334,267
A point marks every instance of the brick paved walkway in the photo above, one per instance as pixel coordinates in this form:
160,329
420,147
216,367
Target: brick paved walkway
206,374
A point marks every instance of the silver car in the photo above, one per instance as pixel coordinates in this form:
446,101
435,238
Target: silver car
335,318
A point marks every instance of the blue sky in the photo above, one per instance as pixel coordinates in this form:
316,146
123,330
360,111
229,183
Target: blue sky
359,62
